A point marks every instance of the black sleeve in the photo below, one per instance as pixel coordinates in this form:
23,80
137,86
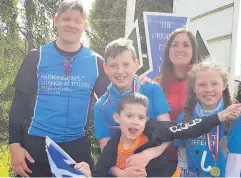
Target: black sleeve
25,87
17,116
165,131
107,158
26,79
102,81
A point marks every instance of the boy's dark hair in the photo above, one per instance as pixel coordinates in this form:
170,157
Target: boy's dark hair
69,5
118,46
132,98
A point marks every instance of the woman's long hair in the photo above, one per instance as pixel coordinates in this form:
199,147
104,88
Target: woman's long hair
167,64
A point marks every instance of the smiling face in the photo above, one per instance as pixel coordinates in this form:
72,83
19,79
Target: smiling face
181,51
132,120
208,87
121,69
70,26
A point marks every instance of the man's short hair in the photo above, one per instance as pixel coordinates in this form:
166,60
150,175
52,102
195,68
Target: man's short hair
69,5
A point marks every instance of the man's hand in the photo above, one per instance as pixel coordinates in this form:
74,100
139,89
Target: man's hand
18,156
84,168
133,171
139,159
230,113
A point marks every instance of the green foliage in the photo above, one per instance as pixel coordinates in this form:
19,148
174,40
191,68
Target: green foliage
8,69
4,161
8,16
107,21
37,27
95,149
16,39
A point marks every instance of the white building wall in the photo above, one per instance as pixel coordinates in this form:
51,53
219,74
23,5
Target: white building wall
218,22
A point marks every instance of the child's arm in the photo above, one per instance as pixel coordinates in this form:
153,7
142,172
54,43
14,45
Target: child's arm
143,158
167,131
181,131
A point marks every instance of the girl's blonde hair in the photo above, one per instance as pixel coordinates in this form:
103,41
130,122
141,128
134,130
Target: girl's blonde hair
192,99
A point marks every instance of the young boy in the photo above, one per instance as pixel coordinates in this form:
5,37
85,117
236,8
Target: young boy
53,89
120,66
138,134
131,115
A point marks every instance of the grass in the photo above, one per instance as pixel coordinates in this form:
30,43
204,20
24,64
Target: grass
95,157
4,160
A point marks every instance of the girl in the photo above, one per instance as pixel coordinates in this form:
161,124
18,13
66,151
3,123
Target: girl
207,155
181,53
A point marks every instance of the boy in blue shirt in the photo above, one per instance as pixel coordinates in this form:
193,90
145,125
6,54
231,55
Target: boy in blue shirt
120,66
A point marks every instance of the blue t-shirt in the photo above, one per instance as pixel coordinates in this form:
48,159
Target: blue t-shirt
106,106
199,157
62,102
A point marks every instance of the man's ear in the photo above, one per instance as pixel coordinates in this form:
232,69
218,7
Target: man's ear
105,68
86,24
55,20
193,89
116,117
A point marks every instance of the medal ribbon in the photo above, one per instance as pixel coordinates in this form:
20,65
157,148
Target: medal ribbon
214,153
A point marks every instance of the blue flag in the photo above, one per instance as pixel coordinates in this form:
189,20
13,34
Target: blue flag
60,162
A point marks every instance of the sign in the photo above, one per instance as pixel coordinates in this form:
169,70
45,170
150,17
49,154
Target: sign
135,37
158,28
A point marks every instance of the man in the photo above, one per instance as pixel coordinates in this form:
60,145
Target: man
53,90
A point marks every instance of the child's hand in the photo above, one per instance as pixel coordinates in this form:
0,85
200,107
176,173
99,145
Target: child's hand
145,79
84,168
230,113
133,171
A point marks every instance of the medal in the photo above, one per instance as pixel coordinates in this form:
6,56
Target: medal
215,171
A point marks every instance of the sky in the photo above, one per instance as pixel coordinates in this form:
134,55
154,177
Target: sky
88,3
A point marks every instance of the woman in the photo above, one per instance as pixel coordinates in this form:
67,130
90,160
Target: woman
181,53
